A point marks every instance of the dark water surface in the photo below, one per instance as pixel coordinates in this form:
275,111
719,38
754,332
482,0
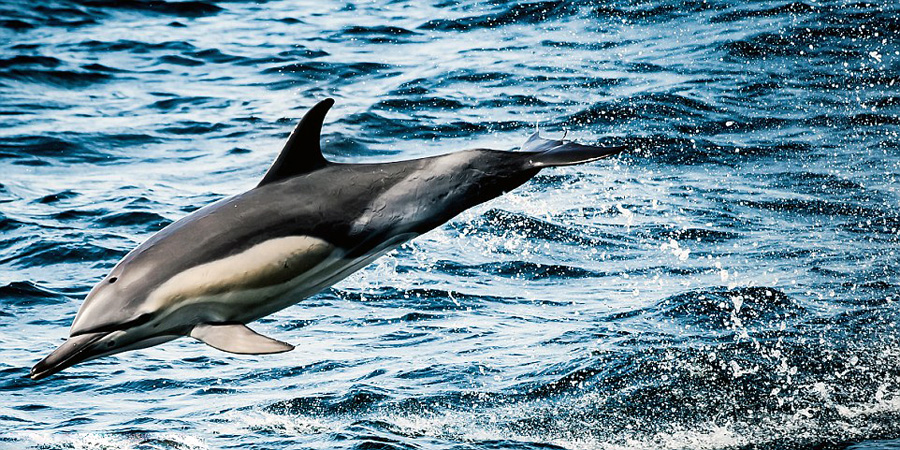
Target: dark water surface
730,283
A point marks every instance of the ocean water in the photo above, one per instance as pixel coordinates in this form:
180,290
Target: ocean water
730,282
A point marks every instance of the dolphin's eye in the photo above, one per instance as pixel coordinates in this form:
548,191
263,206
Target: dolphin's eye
113,280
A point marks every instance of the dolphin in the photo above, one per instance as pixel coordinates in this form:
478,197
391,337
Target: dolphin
308,224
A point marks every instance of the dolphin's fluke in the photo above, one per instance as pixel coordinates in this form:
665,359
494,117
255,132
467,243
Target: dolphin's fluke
548,152
302,152
237,338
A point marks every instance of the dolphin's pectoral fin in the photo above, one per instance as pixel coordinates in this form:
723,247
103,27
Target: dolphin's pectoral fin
550,152
237,338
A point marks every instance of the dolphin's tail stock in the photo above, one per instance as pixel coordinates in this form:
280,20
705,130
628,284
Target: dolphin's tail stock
549,152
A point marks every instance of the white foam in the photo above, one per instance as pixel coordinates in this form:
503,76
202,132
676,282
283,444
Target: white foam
285,424
109,441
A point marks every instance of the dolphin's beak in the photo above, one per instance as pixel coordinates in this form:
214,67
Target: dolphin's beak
75,350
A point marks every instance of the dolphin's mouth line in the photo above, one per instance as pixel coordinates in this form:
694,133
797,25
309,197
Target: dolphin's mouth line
121,326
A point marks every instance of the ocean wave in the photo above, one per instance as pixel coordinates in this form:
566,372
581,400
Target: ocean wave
182,8
521,13
38,254
59,78
26,293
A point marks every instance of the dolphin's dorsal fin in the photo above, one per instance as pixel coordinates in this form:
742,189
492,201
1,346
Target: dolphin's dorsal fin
302,153
237,338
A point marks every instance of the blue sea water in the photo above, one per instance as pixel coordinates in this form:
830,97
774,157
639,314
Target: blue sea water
730,282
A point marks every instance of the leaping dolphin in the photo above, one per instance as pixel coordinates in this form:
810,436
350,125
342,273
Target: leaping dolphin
307,225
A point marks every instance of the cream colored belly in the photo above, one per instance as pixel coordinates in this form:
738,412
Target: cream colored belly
259,281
